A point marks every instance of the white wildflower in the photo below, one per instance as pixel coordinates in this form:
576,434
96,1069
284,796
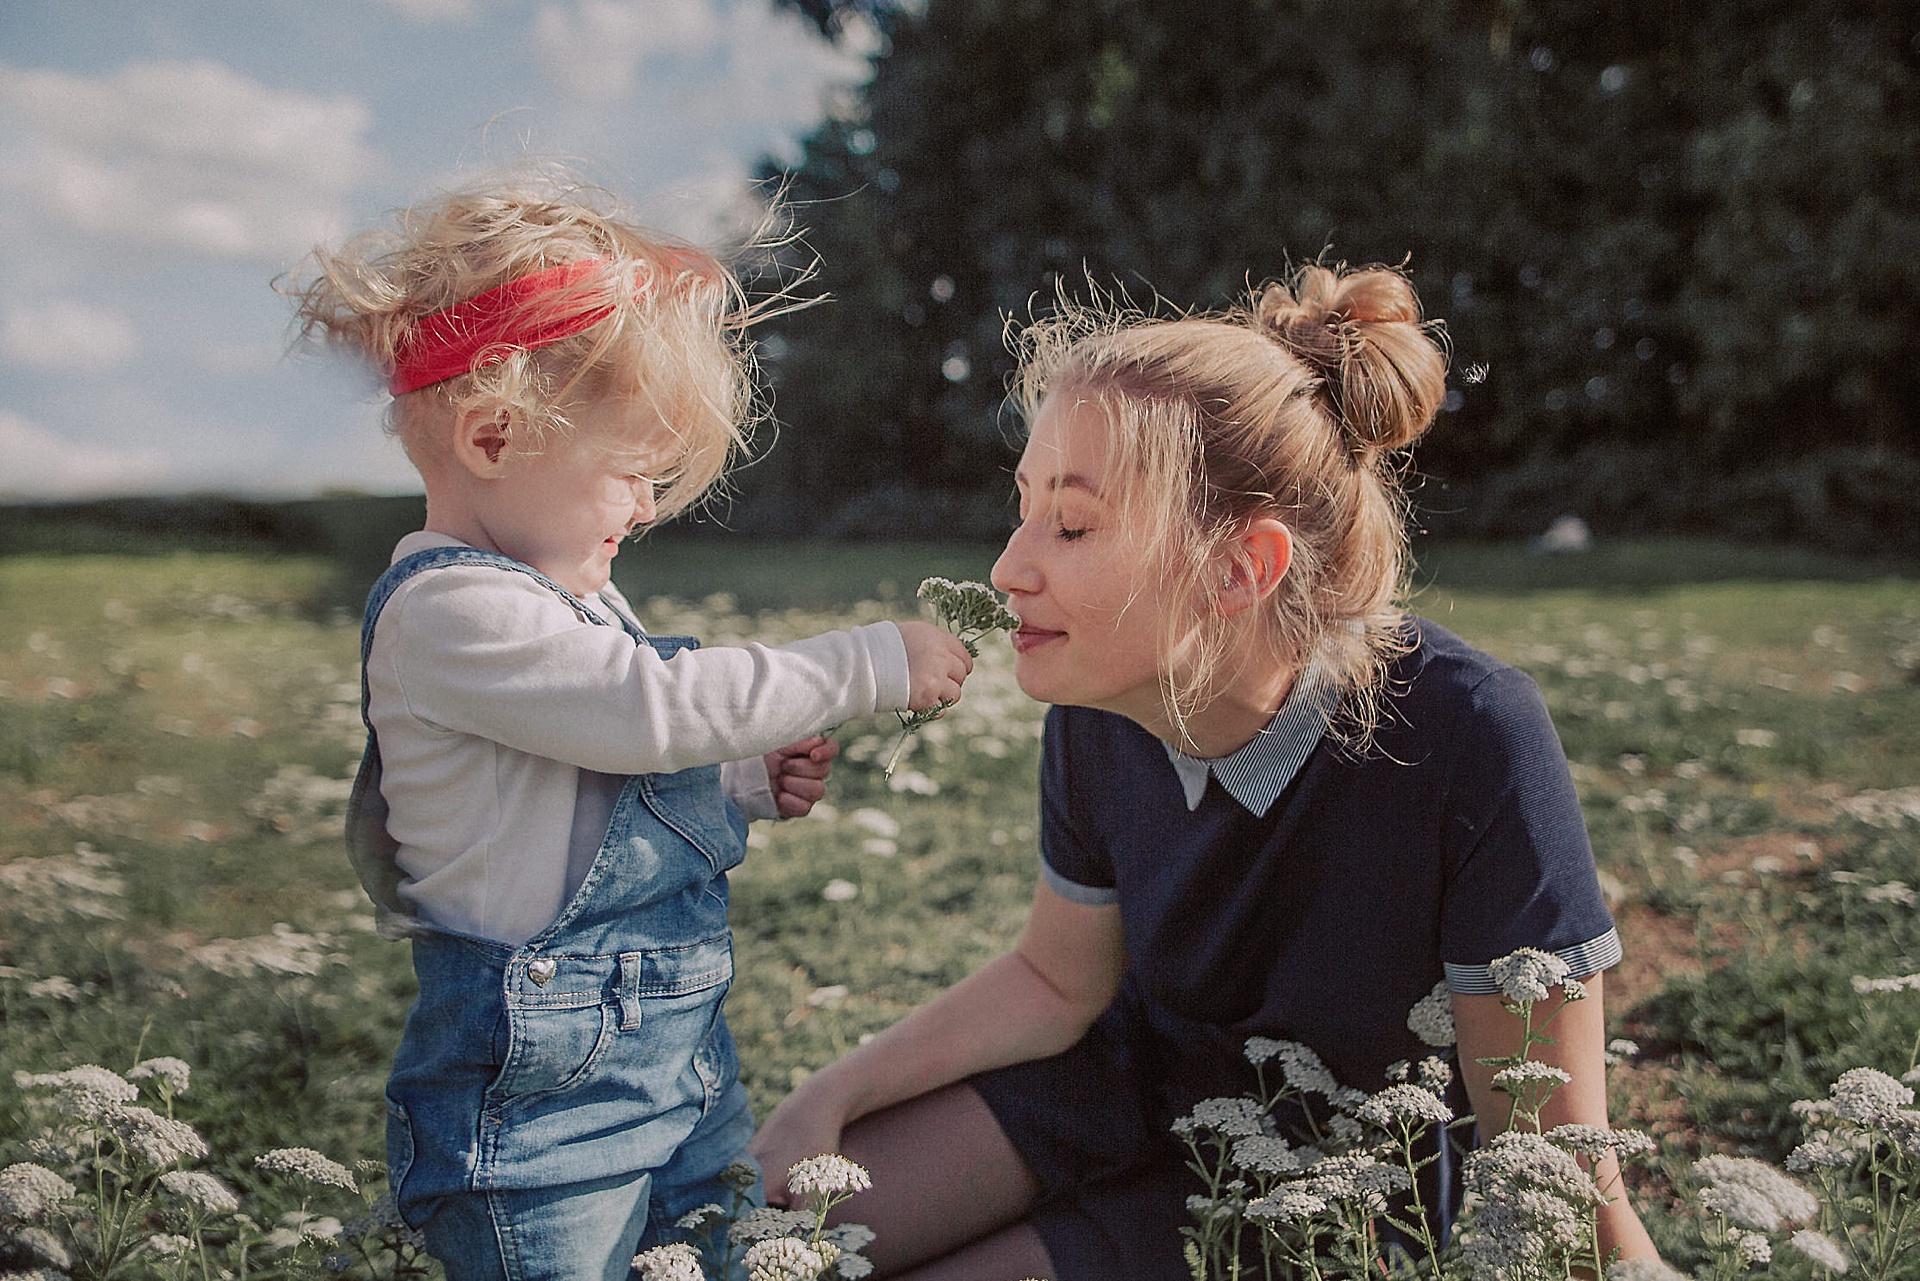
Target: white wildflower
1644,1270
676,1262
201,1189
87,1093
1408,1105
169,1245
1752,1193
305,1163
849,1237
1304,1071
1399,1070
28,1191
1431,1018
45,1246
1821,1153
1231,1118
154,1139
1868,1095
1265,1154
172,1072
698,1219
1905,983
1288,1204
852,1267
784,1259
1595,1141
1525,975
1435,1074
827,1175
1619,1050
763,1223
1753,1248
1515,1077
1821,1248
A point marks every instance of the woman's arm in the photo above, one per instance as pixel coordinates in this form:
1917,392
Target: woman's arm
1486,1030
1038,999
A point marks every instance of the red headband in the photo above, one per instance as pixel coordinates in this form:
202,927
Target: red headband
488,327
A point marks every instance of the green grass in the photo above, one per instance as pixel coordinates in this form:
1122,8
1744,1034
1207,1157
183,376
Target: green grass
186,721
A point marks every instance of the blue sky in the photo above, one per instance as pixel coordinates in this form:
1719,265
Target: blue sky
161,162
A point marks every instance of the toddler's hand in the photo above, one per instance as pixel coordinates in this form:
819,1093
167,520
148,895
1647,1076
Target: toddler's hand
936,665
798,774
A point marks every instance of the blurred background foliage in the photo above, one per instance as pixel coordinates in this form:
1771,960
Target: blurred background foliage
1681,242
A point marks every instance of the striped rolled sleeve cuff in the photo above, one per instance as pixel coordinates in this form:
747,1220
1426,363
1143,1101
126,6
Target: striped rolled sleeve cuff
1584,960
1074,892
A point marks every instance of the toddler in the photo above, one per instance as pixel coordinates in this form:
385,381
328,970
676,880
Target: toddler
551,797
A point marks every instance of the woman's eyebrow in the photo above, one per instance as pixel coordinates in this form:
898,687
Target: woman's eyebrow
1062,480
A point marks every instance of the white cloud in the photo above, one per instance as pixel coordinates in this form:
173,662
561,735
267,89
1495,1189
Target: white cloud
189,155
35,463
592,48
433,10
64,334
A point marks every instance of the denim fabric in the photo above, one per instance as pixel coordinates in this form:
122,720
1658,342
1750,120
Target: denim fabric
555,1107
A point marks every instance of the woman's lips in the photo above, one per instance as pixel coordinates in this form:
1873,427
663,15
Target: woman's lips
1029,637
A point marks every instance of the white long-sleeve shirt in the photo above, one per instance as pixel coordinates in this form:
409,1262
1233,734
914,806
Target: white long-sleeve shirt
507,725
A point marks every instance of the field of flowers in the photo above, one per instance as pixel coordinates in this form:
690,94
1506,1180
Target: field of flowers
177,734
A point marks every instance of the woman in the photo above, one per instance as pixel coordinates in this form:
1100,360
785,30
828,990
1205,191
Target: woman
1272,804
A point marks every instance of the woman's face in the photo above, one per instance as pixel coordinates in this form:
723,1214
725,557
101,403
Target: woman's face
1089,594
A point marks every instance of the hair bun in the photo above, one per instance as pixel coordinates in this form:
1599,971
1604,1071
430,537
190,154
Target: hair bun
1383,370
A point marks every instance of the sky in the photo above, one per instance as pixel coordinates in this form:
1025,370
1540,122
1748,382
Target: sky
162,162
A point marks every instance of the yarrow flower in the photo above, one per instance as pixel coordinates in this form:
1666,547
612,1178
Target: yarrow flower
305,1163
45,1246
1525,975
1868,1096
676,1262
201,1189
1644,1270
1232,1118
1595,1141
171,1072
827,1175
169,1245
1431,1018
1752,1193
703,1217
1820,1248
1905,983
1515,1077
764,1223
1410,1105
154,1139
28,1191
1753,1248
788,1259
1266,1154
87,1093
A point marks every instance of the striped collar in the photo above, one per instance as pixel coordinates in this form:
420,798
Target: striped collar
1256,774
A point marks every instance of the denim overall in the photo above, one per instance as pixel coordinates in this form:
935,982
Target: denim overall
557,1106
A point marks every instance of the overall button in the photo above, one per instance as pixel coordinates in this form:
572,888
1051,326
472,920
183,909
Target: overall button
540,969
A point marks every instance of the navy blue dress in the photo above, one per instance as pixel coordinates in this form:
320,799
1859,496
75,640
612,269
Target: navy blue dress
1453,839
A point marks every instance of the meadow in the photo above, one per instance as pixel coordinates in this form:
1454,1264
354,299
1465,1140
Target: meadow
178,731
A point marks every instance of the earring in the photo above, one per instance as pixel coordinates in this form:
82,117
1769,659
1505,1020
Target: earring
1226,581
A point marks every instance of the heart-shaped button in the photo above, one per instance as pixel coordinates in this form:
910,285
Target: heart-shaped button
540,969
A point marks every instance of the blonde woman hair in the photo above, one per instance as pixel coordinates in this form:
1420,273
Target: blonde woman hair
674,334
1298,405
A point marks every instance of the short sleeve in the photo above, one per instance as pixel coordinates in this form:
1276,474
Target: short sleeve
1074,863
1519,865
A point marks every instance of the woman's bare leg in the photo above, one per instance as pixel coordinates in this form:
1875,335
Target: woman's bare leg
950,1194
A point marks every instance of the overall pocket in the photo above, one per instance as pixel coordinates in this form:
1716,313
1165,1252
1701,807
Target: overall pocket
553,1044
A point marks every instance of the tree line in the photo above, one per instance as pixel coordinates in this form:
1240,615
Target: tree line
1676,247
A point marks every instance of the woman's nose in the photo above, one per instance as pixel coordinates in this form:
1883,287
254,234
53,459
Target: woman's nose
1014,573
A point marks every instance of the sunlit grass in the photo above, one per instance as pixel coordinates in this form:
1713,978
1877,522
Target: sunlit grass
181,728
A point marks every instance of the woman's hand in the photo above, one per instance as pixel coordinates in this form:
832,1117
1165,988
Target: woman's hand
802,1126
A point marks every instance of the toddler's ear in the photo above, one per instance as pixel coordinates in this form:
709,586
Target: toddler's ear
482,439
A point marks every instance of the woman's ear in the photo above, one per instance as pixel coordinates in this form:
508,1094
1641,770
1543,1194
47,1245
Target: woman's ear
482,439
1256,562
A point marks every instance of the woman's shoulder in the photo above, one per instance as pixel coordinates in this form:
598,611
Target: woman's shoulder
1438,663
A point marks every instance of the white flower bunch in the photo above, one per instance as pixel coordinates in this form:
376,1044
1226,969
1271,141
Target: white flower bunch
827,1176
305,1163
1526,975
970,611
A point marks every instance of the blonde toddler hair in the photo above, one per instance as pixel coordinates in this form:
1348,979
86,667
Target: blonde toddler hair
1297,405
674,334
